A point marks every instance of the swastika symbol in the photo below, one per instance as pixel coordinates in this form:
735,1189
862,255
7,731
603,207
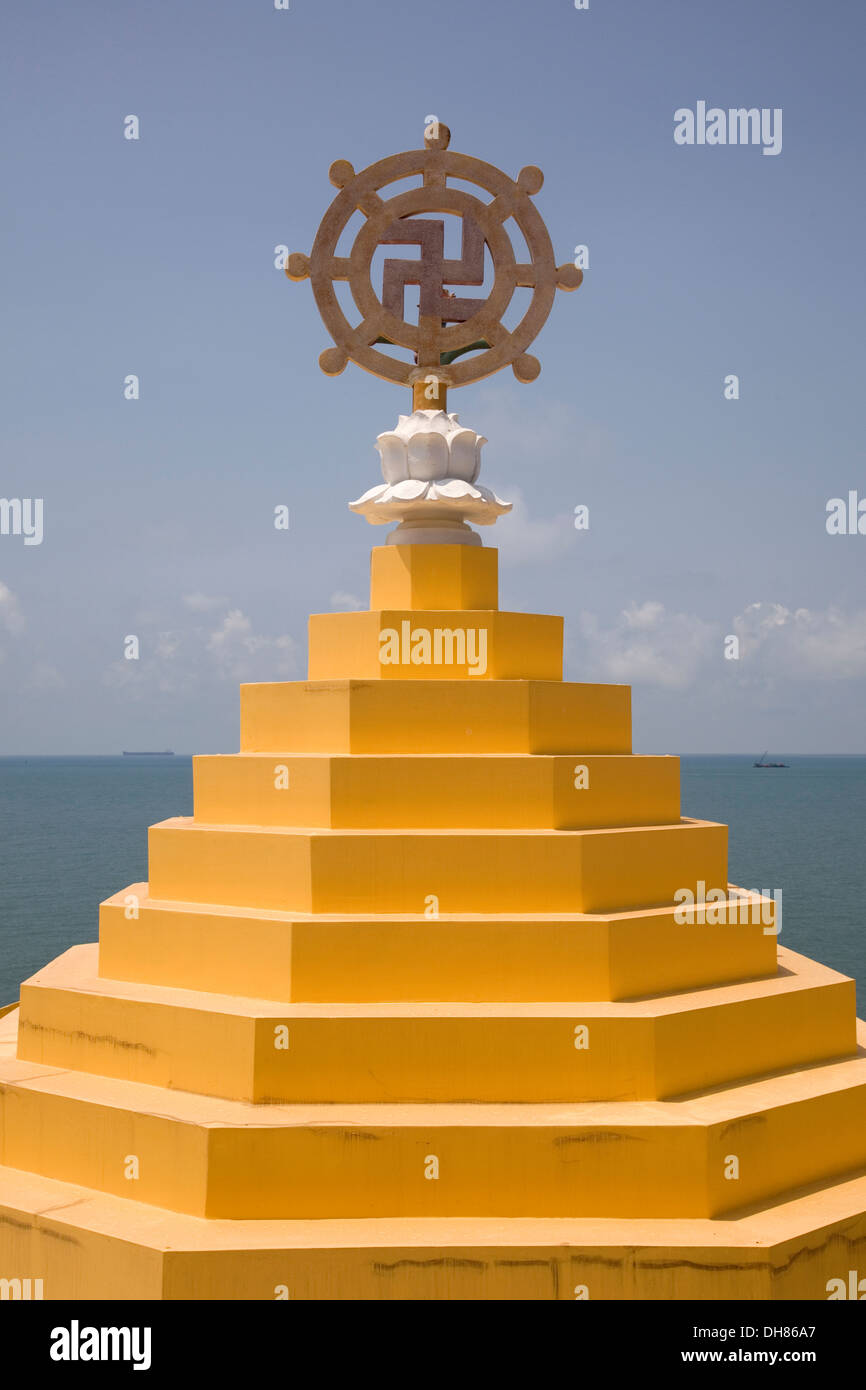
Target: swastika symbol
449,326
432,272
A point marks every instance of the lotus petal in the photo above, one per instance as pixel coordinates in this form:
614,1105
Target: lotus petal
394,456
372,495
465,458
405,491
456,487
428,456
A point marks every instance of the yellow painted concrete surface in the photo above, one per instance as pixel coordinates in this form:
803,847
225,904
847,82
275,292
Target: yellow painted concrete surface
394,791
436,871
245,1049
435,644
494,957
434,576
223,1158
87,1245
445,716
406,1010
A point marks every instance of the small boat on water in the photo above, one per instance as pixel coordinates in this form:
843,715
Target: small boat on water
762,762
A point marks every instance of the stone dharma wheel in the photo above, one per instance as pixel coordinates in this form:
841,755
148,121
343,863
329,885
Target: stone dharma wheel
449,324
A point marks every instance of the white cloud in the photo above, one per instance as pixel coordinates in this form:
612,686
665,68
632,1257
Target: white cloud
648,644
11,617
166,644
203,603
186,661
345,602
800,644
242,655
523,538
39,676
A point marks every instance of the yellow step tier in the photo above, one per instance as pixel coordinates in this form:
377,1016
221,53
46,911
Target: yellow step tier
89,1245
705,1156
245,1049
434,576
528,957
434,645
445,716
394,791
314,870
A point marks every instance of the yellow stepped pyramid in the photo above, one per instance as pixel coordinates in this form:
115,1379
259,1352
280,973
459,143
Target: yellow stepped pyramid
408,1008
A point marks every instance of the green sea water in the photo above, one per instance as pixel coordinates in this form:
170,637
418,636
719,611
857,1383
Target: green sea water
73,831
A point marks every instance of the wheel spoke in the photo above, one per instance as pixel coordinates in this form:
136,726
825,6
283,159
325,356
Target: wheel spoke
370,203
501,207
369,329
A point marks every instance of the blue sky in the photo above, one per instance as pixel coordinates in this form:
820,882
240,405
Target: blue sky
156,257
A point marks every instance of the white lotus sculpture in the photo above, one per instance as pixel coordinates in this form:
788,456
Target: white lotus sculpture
430,463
